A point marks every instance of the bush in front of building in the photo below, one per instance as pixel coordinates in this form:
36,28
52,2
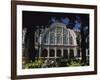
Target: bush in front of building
49,63
61,62
36,64
74,63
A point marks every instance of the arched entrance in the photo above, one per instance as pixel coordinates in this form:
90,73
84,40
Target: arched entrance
52,53
58,53
44,53
65,53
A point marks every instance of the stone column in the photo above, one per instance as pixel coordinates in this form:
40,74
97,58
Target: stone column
75,52
68,53
48,52
55,52
62,52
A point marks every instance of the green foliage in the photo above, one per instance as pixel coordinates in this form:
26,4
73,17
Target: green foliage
60,62
74,62
63,62
36,64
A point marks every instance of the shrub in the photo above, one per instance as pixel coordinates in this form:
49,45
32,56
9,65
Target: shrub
36,64
61,62
74,62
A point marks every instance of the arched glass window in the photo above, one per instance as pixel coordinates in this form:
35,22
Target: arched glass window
52,53
65,53
58,53
44,53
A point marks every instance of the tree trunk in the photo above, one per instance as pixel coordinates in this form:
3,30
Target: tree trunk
83,46
30,44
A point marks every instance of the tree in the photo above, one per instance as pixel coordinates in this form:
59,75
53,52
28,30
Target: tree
29,44
84,33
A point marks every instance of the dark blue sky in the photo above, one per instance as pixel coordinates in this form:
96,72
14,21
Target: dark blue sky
67,21
31,18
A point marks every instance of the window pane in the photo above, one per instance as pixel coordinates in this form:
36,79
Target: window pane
59,39
59,29
44,53
52,38
52,53
65,31
65,39
58,53
65,36
70,40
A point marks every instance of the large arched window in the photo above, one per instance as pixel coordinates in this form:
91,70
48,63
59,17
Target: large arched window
58,34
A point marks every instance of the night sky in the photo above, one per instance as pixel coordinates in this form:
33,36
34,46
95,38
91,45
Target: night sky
32,19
